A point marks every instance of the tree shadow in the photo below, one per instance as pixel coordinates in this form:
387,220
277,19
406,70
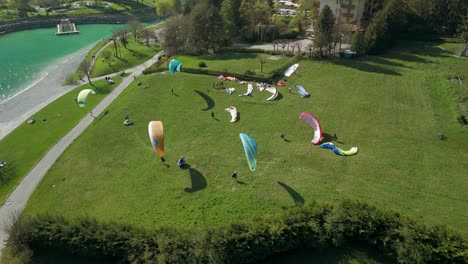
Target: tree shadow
383,61
8,172
362,65
210,103
228,56
103,114
298,199
198,181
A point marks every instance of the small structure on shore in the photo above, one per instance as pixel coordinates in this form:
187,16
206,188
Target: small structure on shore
66,27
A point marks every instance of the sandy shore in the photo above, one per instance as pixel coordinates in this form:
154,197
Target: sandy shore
19,108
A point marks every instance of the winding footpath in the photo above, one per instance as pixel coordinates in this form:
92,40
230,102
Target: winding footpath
17,200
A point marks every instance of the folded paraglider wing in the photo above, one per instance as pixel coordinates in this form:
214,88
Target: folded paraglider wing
233,111
156,135
83,95
250,149
314,124
302,91
290,70
249,90
338,151
274,92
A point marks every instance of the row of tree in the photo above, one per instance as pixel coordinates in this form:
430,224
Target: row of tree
205,25
398,19
119,38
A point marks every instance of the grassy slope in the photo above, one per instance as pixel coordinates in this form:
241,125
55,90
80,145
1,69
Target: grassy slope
135,54
390,106
234,62
26,144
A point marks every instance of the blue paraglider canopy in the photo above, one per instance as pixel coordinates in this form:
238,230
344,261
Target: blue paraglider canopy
181,162
175,65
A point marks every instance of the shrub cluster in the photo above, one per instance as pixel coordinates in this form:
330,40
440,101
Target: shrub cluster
313,225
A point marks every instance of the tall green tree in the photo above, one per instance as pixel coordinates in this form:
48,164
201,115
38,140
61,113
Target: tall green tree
208,25
164,8
323,31
253,14
445,16
358,45
22,6
134,26
177,34
229,19
384,29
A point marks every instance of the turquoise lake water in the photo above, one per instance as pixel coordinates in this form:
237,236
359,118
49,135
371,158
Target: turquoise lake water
25,56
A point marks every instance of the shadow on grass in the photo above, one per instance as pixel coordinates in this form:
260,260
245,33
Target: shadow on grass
210,103
228,56
363,65
198,181
298,199
329,138
8,172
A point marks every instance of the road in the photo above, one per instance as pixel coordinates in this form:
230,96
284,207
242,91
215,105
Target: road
19,197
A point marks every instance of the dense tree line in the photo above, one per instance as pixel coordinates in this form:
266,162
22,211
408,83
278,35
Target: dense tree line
200,26
314,225
414,19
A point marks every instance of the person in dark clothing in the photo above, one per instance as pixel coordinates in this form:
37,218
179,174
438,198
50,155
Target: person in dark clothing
163,159
234,176
172,91
441,136
212,114
334,137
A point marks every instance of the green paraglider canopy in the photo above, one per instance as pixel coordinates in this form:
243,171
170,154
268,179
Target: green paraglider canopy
175,65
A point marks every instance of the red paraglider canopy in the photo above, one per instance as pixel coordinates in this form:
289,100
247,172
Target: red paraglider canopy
315,124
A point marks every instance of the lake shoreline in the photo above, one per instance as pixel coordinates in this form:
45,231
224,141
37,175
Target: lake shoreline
18,108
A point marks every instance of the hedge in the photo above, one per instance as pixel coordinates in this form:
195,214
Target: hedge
314,225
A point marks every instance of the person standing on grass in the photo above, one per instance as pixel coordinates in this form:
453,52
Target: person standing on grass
172,91
334,137
212,114
234,176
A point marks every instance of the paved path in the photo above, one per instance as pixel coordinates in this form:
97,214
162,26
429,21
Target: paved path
19,197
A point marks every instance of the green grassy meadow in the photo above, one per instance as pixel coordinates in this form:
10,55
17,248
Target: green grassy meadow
236,63
136,53
392,107
25,146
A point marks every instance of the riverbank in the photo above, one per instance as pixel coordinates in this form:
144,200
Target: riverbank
18,108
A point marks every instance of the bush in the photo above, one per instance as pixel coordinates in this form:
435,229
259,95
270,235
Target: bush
313,225
202,64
